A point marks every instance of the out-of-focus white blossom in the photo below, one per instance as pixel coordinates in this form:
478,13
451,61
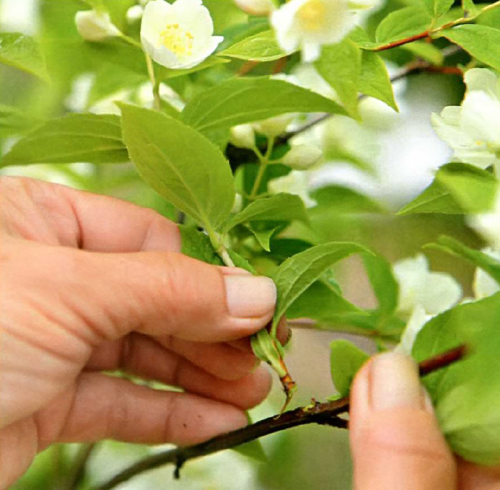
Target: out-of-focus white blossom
178,35
256,7
483,284
488,224
134,14
274,126
417,320
295,182
95,26
302,157
242,136
309,24
434,292
473,129
238,203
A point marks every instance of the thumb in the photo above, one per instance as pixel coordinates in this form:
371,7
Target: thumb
395,439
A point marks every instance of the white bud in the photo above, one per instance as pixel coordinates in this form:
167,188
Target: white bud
95,26
238,204
302,157
274,126
256,7
134,14
243,136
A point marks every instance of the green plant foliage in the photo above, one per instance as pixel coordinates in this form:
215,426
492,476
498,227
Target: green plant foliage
383,282
24,53
340,65
298,272
259,47
75,138
245,100
197,245
482,42
480,259
437,8
280,207
180,164
345,361
466,402
403,23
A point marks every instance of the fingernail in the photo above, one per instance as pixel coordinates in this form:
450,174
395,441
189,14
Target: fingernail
395,383
250,296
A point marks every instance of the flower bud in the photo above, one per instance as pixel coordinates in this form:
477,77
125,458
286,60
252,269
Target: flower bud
256,7
302,157
243,136
134,14
274,126
95,26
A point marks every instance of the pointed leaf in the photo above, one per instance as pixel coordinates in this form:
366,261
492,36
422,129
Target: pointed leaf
197,245
403,23
75,138
297,273
24,53
345,361
280,207
244,100
180,164
261,47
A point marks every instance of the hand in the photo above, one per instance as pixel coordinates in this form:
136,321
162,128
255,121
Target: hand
395,438
90,283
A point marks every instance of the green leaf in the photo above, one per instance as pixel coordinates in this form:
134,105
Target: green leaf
374,79
403,23
24,53
345,361
322,303
264,236
383,282
166,74
180,164
253,450
280,207
469,8
342,200
340,64
437,8
14,121
75,138
259,47
244,100
465,395
458,188
474,189
480,259
297,273
481,42
241,262
426,51
197,245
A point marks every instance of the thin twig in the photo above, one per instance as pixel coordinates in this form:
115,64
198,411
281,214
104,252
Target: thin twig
317,413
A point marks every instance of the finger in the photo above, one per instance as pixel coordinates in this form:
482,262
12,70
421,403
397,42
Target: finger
220,359
81,219
283,333
473,476
159,294
395,438
143,357
102,407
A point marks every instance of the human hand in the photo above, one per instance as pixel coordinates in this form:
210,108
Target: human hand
395,439
90,283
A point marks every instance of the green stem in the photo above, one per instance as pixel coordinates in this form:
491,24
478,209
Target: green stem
264,162
154,82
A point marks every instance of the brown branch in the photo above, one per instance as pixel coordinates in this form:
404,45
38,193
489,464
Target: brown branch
317,413
401,42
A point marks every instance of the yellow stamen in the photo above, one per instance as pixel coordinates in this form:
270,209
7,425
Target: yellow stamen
313,15
178,41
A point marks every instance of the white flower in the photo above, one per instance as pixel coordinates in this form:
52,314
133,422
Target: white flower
483,284
256,7
294,183
309,24
417,320
435,292
178,36
302,157
274,126
242,136
473,129
95,26
134,14
488,224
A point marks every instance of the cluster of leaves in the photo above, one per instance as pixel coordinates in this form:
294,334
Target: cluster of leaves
186,157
